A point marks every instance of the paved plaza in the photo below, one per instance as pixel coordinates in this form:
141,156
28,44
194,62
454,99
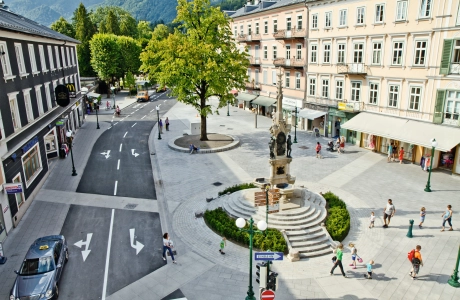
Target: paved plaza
364,180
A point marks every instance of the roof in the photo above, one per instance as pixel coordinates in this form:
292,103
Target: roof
13,22
264,6
50,241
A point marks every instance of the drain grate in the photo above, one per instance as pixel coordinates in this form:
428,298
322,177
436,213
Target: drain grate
222,125
303,147
217,183
230,128
130,206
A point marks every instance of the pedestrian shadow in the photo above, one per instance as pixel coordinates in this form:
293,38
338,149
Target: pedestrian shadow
441,278
376,266
382,277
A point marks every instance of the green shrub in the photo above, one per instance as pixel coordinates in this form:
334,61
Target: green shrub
237,187
338,218
222,224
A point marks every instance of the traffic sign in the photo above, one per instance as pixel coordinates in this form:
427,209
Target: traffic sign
267,295
268,256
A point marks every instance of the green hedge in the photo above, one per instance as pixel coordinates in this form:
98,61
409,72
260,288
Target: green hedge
237,187
338,218
222,224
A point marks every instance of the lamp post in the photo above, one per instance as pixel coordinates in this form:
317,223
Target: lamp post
295,126
267,188
228,108
453,281
69,140
96,106
113,95
158,122
261,225
433,145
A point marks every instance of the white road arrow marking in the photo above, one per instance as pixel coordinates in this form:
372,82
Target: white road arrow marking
80,243
135,154
106,154
138,246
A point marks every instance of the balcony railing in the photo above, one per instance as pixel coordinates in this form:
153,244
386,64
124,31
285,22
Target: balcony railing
352,69
255,61
454,68
248,37
411,114
323,101
289,34
292,62
252,86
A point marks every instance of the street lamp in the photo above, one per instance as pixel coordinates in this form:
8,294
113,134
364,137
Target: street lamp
262,226
433,145
228,108
453,281
96,108
158,122
113,95
69,140
295,126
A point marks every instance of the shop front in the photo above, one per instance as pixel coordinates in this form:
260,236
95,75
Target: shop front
264,106
314,117
244,100
289,109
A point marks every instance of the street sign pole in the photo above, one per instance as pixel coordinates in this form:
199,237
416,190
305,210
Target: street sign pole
267,295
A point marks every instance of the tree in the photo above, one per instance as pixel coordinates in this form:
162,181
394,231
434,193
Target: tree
129,53
111,24
160,32
84,31
200,60
64,27
129,81
128,26
105,56
114,19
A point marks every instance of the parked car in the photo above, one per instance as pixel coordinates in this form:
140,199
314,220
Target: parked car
161,89
41,270
142,96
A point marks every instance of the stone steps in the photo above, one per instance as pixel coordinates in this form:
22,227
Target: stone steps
308,243
296,217
306,237
321,252
286,224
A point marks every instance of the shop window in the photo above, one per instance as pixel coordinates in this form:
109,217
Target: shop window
50,141
415,97
31,163
452,109
18,196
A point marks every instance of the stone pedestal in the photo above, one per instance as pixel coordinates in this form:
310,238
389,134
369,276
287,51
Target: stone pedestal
293,255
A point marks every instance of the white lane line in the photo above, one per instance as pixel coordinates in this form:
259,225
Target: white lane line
121,146
118,166
125,134
115,188
143,117
137,109
152,110
134,124
109,127
123,119
107,260
164,101
131,113
115,124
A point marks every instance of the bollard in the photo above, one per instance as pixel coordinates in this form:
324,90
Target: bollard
409,233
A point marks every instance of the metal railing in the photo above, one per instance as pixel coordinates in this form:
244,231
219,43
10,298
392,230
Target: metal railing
293,62
352,68
254,60
286,34
248,37
411,114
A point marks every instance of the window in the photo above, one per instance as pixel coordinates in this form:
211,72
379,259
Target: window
325,88
327,54
28,105
458,15
31,163
393,95
50,56
241,30
397,53
275,52
20,58
41,51
265,52
64,64
425,8
274,77
265,77
288,51
314,21
339,89
287,79
452,111
358,53
379,13
38,93
312,87
58,59
360,16
249,75
341,53
415,97
420,53
20,200
377,53
14,111
356,91
249,29
299,23
48,96
5,60
33,63
249,50
288,23
314,53
343,17
373,92
327,19
299,51
401,10
265,26
236,31
68,56
297,80
256,76
257,28
275,26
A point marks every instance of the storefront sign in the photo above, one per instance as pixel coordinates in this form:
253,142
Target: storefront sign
292,102
62,95
337,113
60,122
5,209
346,106
30,144
316,107
13,188
72,91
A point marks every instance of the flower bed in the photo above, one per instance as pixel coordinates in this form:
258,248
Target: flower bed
338,218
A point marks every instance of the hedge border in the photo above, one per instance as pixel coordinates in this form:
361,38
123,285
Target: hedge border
338,221
237,187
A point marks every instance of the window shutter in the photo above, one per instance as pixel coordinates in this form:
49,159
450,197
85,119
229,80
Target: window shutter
446,57
439,107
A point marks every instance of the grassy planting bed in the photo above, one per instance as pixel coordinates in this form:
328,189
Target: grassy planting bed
237,187
338,218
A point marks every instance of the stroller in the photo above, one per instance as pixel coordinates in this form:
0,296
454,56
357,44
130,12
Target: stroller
331,146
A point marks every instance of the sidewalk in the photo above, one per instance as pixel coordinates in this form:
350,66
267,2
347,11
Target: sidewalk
122,100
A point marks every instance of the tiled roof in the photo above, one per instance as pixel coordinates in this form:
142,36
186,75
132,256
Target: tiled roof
14,22
264,6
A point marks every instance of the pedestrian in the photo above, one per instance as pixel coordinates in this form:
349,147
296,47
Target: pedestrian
372,219
401,155
168,245
422,217
369,270
118,111
337,143
390,152
415,257
223,243
395,151
318,150
161,126
193,148
338,261
107,105
342,144
354,255
447,216
388,212
167,124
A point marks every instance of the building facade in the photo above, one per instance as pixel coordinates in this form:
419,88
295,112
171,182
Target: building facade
34,60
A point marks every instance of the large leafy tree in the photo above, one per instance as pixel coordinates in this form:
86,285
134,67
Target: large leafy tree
114,19
105,56
199,60
111,24
62,26
129,54
84,31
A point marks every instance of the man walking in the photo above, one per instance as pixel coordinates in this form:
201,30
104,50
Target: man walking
388,212
161,126
167,124
338,261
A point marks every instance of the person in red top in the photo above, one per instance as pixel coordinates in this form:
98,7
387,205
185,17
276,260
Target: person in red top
401,155
318,150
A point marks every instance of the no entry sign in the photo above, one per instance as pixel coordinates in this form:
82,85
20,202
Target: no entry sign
267,295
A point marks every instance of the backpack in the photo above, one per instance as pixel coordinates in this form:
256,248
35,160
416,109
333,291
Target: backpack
411,255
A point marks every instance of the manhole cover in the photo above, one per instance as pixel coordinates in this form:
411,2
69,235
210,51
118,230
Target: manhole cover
222,125
303,147
217,183
130,206
230,128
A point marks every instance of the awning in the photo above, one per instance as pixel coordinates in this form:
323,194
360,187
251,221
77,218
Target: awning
404,130
95,95
311,114
245,97
288,107
264,101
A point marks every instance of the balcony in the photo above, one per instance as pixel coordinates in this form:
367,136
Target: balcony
322,101
289,34
245,38
254,61
352,69
289,63
252,86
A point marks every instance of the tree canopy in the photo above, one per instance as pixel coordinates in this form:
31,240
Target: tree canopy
64,27
84,31
105,55
199,60
115,20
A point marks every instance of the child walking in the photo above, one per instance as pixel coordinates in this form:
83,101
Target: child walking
369,270
354,255
422,217
223,243
372,219
318,150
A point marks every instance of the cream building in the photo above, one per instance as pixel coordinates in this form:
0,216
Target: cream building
386,72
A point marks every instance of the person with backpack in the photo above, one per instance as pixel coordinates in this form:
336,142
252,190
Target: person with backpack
388,212
415,257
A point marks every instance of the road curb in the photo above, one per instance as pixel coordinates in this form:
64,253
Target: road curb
233,145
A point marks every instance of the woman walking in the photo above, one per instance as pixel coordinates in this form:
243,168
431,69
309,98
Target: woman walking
447,217
167,124
401,155
167,245
338,262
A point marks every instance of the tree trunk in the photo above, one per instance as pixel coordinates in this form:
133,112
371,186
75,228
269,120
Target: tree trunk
204,134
